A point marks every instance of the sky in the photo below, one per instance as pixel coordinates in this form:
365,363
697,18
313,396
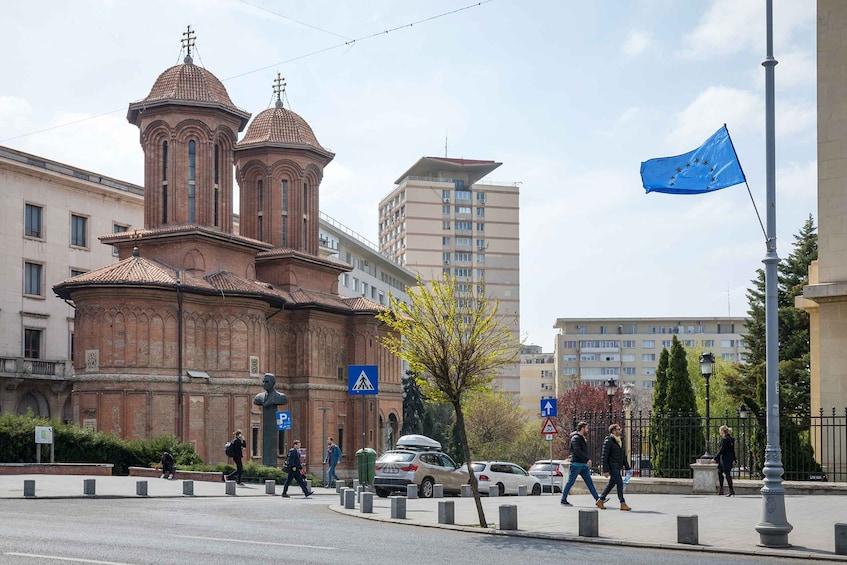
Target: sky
570,96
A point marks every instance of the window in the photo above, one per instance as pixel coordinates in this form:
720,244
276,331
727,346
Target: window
648,356
667,343
284,196
464,225
446,257
32,344
77,272
569,358
480,274
445,195
217,202
463,194
445,272
628,357
629,344
445,241
364,289
648,344
727,343
463,241
568,370
284,240
192,179
480,197
480,258
346,279
728,356
463,273
463,209
708,343
33,221
648,384
32,279
628,371
480,212
79,228
588,357
381,297
480,226
463,257
648,371
445,209
117,228
603,330
569,344
445,225
165,182
480,244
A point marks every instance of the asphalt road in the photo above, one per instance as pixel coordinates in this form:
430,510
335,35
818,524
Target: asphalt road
217,531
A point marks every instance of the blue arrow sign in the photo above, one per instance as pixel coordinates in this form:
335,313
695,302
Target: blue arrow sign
548,407
283,420
362,379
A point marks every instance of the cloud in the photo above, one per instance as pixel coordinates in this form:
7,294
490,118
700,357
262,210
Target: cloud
636,43
798,181
717,105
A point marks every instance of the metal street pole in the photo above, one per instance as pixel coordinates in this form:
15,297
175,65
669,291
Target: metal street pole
774,527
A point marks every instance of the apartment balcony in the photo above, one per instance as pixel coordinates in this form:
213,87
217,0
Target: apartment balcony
18,366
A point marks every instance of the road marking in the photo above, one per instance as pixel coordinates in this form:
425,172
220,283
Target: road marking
58,558
242,540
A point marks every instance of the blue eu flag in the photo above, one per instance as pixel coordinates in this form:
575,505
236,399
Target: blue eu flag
712,166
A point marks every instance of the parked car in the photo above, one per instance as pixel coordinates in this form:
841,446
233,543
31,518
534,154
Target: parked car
505,477
545,470
417,460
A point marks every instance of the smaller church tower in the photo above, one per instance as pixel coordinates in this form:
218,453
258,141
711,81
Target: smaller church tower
279,166
189,127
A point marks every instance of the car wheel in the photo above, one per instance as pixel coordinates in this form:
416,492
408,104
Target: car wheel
382,493
426,488
536,489
501,489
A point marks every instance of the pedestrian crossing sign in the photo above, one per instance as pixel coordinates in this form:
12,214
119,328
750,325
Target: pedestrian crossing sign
363,379
549,427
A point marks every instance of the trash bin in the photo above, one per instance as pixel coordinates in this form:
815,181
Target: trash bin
365,464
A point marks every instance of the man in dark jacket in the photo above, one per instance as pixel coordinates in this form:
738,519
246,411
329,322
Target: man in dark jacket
296,470
613,459
580,463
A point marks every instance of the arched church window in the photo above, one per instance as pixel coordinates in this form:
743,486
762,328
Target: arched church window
217,186
192,178
164,182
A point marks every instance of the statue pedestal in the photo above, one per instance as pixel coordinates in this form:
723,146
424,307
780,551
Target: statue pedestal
705,477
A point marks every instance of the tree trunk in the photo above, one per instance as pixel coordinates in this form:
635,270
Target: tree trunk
460,422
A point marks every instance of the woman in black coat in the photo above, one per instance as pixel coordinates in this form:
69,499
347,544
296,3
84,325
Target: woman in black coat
726,459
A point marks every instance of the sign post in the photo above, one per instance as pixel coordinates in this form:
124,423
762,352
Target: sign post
363,380
549,429
44,434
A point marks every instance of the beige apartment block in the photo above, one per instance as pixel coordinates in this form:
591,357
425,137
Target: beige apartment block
825,298
442,218
538,379
593,350
50,219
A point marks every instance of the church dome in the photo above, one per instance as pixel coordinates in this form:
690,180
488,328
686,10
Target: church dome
190,85
279,127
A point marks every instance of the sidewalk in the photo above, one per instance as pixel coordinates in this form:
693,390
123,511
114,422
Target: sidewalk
726,525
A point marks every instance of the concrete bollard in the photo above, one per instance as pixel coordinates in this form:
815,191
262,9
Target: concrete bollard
493,490
521,490
89,487
687,530
340,486
359,490
437,491
367,505
309,485
141,488
270,487
355,484
466,491
508,517
588,523
398,507
29,488
230,488
188,488
343,496
411,491
840,539
349,499
446,512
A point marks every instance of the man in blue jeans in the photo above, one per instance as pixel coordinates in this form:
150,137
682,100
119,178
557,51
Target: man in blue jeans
580,463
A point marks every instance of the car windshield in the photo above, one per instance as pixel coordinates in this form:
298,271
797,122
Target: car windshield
396,457
478,467
543,467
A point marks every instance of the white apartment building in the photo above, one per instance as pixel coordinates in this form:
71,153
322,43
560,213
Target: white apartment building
593,350
538,378
443,218
374,275
50,219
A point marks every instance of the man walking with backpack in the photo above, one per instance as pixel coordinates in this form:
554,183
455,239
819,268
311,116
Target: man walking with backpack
580,463
236,452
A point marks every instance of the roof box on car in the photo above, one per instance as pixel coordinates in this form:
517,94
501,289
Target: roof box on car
420,442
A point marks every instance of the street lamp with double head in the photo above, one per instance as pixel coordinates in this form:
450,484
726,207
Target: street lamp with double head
707,362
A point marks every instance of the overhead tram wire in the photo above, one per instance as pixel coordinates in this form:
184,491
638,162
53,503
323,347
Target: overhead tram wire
347,43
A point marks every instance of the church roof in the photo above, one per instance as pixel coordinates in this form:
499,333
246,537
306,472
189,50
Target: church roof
280,127
189,85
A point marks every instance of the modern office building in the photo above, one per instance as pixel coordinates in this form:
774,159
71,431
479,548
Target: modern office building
50,218
442,218
538,378
593,350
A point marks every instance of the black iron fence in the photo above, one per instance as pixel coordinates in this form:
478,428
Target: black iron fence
814,447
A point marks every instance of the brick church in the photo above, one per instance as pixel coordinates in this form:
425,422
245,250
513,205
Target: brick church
175,337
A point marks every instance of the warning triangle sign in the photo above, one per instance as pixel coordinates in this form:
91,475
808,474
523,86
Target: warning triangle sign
363,383
549,427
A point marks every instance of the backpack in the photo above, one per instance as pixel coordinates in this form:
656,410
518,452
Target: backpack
229,449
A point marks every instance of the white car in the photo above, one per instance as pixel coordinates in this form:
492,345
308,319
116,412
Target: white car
505,477
550,473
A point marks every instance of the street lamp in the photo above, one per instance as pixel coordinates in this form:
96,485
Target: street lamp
743,414
707,361
611,387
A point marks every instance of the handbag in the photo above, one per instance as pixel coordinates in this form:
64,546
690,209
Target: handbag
286,468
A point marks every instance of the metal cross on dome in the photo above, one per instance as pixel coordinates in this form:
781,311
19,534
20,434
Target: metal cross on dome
279,85
189,39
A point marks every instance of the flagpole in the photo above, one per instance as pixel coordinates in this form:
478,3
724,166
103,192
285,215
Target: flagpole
774,527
